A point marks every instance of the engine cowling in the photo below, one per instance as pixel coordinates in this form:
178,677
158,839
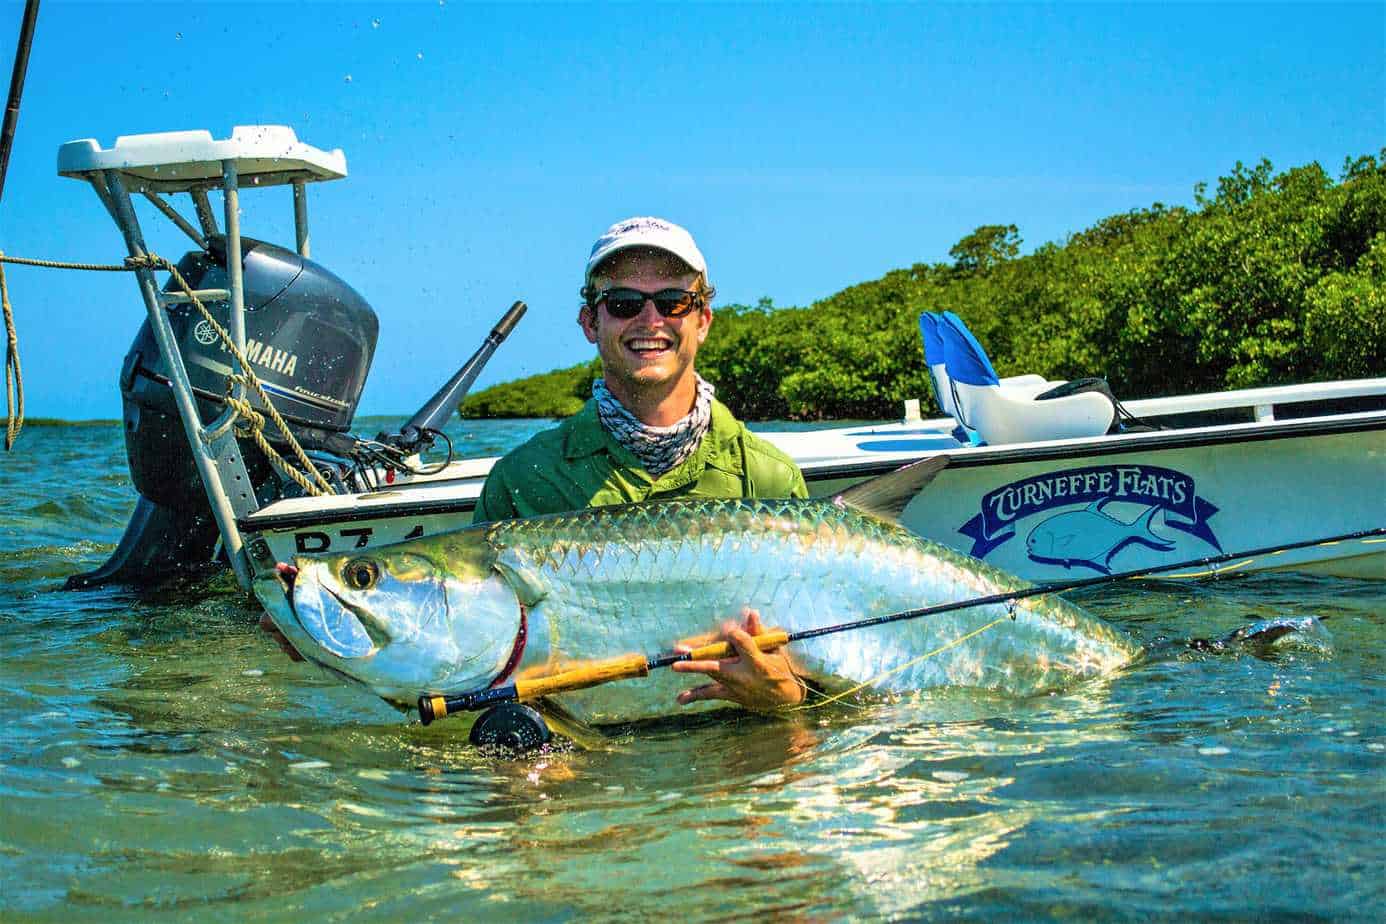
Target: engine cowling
310,339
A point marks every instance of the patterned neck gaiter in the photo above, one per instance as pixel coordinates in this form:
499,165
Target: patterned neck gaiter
659,449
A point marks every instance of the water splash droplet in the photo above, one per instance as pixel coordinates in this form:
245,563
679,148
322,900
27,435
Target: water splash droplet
375,24
346,79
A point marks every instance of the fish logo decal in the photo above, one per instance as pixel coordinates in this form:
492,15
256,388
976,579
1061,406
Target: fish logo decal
1086,535
1091,538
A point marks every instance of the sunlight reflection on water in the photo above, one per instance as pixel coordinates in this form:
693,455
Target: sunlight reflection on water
162,759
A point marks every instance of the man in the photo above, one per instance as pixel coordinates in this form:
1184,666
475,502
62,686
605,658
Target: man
653,429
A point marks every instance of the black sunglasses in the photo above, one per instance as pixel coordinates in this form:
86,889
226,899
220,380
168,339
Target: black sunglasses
624,303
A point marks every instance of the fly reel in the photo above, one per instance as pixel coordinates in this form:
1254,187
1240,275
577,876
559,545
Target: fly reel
513,726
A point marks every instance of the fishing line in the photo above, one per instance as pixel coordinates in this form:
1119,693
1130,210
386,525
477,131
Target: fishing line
635,665
903,667
1062,586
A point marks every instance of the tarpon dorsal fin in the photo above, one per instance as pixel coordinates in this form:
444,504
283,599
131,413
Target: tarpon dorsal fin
885,497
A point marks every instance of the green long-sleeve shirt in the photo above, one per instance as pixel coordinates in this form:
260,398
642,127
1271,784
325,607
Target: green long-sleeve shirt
578,464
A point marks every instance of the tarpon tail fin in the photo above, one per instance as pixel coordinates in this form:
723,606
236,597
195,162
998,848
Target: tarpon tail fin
885,497
1261,637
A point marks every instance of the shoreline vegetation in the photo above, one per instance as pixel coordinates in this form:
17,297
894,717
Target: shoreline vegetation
61,422
1272,278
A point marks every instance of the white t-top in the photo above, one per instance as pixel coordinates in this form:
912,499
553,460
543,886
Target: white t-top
264,155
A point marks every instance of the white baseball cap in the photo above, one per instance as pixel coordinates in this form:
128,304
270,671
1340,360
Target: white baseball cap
647,232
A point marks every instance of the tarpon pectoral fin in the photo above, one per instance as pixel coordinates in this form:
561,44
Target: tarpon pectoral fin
562,722
885,497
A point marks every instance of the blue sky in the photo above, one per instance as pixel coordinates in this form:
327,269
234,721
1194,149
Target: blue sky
808,147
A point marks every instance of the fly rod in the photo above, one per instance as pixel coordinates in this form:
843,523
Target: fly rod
637,665
14,380
21,68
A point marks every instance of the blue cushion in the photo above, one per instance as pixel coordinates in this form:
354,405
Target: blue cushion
966,360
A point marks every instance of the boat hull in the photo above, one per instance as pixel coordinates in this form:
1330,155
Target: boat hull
1091,513
1044,511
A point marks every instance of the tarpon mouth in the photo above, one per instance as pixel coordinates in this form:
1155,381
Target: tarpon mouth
287,575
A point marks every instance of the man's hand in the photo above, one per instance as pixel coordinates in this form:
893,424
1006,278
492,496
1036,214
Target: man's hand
760,680
268,625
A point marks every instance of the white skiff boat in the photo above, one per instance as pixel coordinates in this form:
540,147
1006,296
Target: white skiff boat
1038,488
1296,468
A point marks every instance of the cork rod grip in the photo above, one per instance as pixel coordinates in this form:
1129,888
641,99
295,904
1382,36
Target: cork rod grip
717,650
579,678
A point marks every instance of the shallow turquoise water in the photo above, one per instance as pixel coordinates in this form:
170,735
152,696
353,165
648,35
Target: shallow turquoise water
161,760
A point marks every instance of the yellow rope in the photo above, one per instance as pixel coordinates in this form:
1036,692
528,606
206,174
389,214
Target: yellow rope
14,377
254,422
903,667
59,264
1213,572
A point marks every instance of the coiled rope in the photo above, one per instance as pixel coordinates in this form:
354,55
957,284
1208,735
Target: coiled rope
14,377
253,422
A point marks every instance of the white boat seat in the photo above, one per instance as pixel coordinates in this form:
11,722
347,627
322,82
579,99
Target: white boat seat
936,362
1012,412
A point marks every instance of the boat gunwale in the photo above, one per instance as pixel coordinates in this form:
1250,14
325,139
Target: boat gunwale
265,520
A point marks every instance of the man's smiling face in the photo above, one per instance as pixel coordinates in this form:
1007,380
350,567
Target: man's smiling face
647,355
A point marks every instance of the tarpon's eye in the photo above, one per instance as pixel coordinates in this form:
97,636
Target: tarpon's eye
361,574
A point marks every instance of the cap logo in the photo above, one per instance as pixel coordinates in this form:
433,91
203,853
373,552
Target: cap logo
646,224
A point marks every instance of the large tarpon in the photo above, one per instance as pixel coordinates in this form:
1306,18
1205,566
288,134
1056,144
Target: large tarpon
461,611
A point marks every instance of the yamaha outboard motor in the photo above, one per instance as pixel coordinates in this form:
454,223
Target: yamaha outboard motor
309,338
